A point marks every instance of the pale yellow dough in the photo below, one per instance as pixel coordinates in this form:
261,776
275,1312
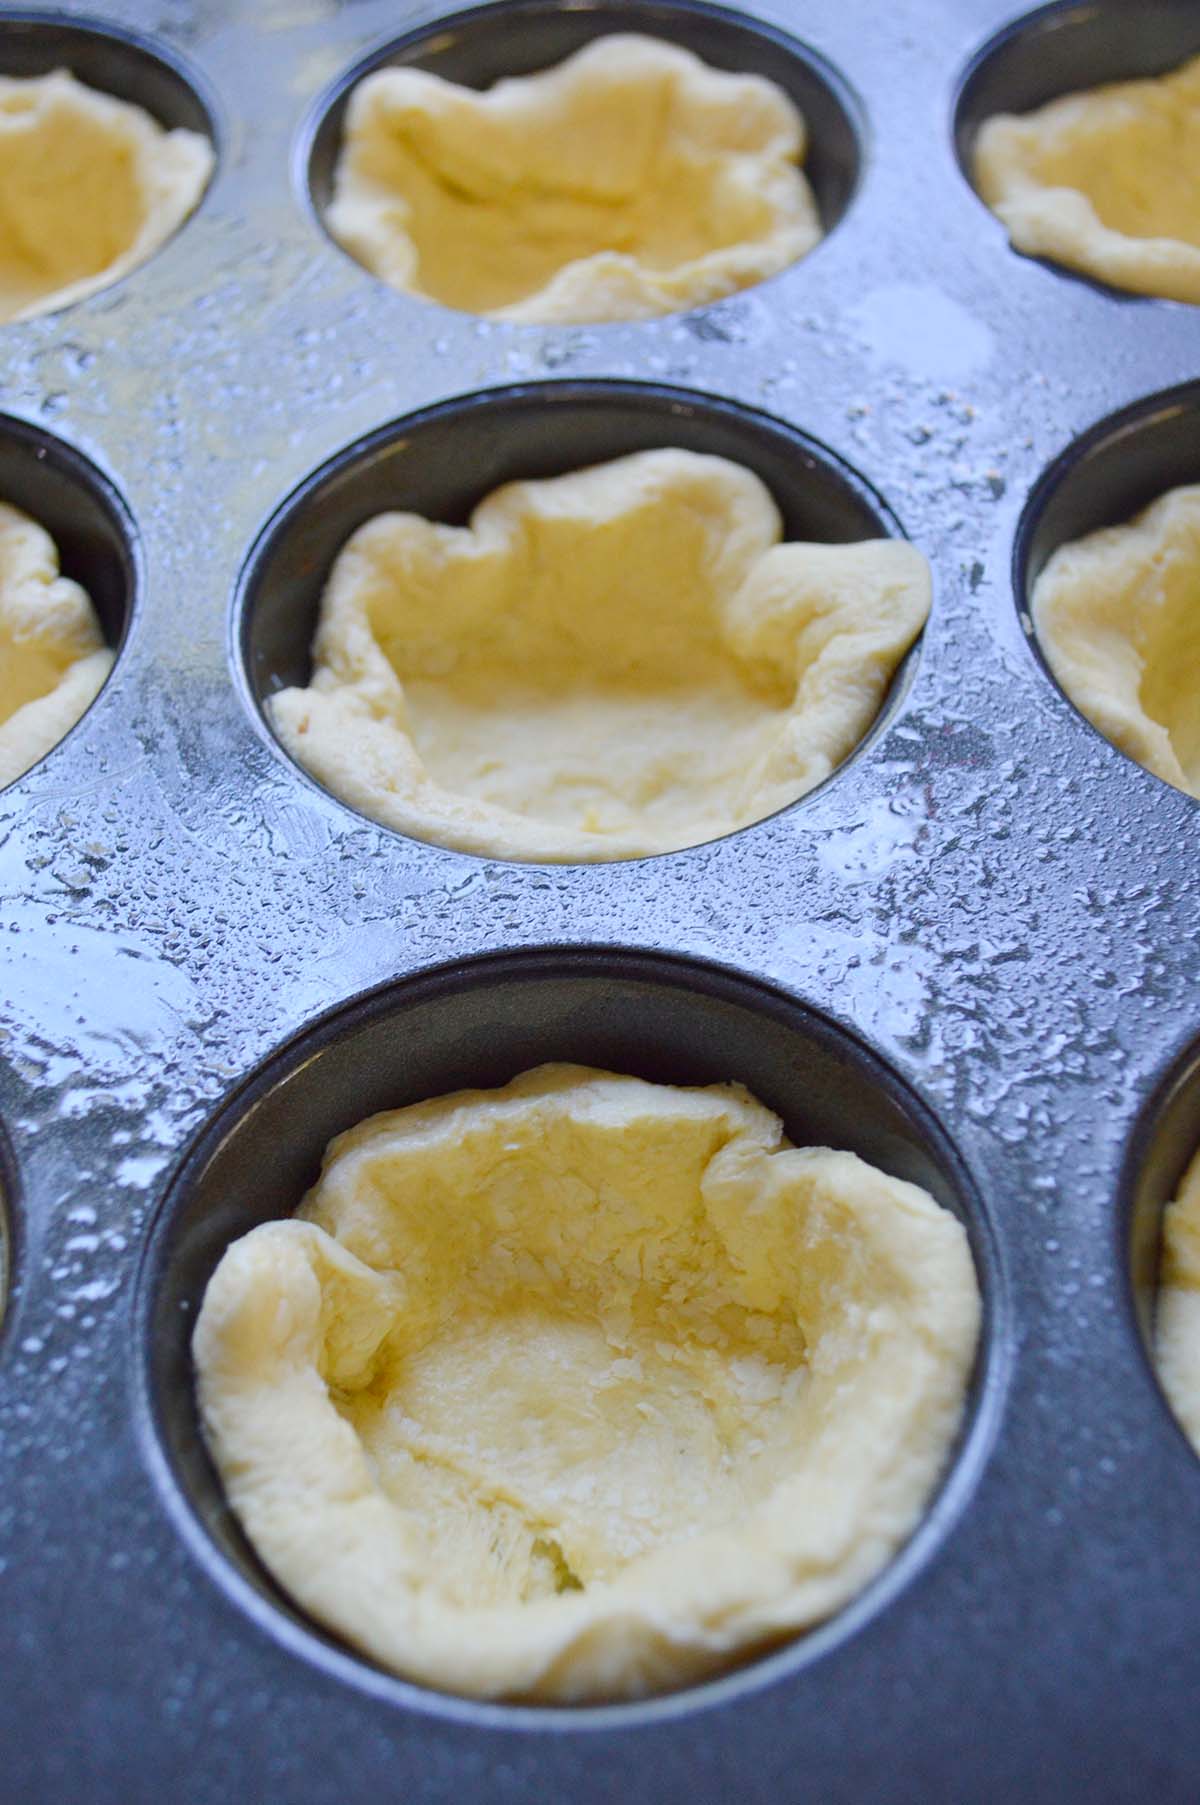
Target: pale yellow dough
53,659
1178,1322
90,187
620,661
1106,182
583,1387
630,181
1117,615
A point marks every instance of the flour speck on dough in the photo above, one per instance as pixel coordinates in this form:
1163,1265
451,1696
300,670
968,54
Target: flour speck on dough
585,1387
621,661
630,181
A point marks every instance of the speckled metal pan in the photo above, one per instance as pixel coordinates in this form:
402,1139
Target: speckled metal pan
971,954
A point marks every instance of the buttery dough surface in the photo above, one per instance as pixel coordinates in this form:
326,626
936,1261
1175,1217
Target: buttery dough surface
1117,615
1178,1324
616,662
53,658
632,180
90,187
1106,182
582,1387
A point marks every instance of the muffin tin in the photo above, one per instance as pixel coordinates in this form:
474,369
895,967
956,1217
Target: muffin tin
972,954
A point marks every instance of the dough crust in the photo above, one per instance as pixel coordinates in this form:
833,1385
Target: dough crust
1178,1323
1117,615
1104,182
617,662
632,180
89,188
583,1387
53,659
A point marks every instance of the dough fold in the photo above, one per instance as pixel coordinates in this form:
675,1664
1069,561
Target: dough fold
1104,182
1117,615
584,1387
621,661
1177,1344
90,187
630,181
53,659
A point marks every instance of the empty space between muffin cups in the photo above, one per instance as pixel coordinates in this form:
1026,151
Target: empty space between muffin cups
1079,127
106,148
578,621
68,589
633,1338
539,162
1107,571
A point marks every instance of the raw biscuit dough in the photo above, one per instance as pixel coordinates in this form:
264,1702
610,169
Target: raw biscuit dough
89,188
1178,1323
1117,615
53,658
583,1387
1106,181
617,662
630,181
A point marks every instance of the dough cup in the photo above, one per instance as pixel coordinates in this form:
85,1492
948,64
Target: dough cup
582,1387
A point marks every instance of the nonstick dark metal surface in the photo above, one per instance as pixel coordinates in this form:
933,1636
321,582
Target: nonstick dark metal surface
972,953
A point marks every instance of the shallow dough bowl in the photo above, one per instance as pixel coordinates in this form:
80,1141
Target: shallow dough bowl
478,1024
484,45
1104,479
1063,49
442,461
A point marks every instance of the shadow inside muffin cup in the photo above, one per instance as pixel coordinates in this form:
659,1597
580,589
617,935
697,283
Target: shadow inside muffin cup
1113,471
479,1023
484,45
1064,49
83,514
441,462
1165,1141
106,56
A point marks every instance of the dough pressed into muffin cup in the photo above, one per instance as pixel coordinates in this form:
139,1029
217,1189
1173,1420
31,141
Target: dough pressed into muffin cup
1177,1326
617,662
1117,615
630,181
585,1387
90,187
53,659
1104,182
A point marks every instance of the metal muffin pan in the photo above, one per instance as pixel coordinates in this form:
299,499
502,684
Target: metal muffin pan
973,949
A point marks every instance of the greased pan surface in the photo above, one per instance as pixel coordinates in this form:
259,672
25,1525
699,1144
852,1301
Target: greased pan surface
973,950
